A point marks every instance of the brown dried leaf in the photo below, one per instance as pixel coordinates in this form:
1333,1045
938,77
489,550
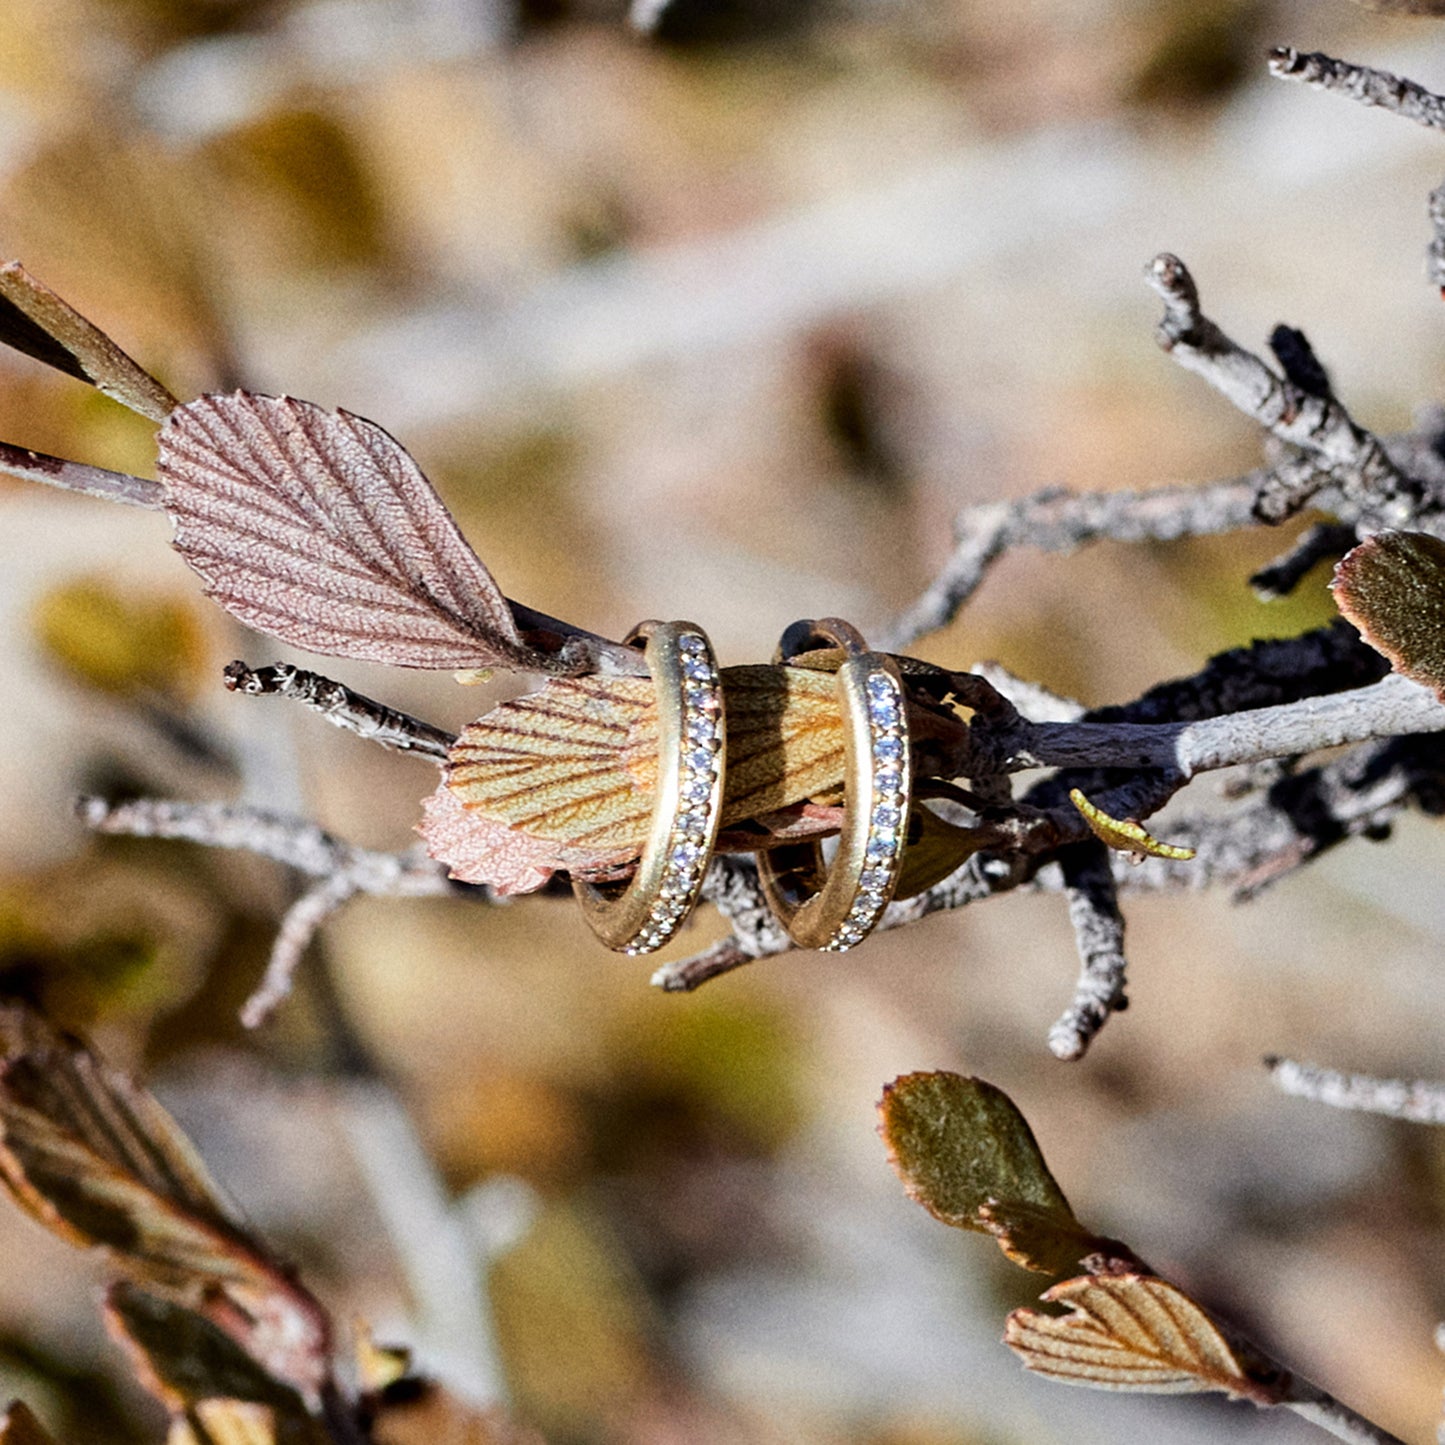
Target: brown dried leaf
575,764
1129,1332
33,319
224,1422
1392,587
966,1154
217,1393
429,1414
99,1162
316,527
18,1426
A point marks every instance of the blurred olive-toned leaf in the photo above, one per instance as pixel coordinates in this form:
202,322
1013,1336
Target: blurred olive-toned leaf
573,1325
966,1154
1392,587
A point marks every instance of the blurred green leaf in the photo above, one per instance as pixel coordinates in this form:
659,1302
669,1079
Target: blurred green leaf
966,1154
124,645
1392,587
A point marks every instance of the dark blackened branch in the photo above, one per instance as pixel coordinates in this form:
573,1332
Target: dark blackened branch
1297,359
1419,1101
1059,521
77,477
1336,449
1324,541
343,708
1361,83
1264,674
1099,932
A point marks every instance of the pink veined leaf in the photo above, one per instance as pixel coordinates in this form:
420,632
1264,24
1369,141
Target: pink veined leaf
317,528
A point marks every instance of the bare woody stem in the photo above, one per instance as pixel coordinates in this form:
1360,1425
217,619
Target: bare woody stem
1336,447
343,708
1321,1408
1058,521
1360,83
1392,707
1418,1100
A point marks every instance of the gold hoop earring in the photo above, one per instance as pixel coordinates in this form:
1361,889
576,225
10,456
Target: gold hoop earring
642,915
835,906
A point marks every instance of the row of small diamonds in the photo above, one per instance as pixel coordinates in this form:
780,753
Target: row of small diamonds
687,847
889,766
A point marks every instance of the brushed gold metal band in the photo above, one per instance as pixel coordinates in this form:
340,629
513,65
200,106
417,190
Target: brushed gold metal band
835,906
691,737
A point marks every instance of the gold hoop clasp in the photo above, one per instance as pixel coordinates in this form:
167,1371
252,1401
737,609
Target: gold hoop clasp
642,915
835,906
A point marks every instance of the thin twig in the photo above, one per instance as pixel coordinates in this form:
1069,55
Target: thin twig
1321,1408
1361,83
1035,701
343,708
1059,521
297,929
1318,543
1099,933
294,841
78,477
1420,1101
1336,447
1392,707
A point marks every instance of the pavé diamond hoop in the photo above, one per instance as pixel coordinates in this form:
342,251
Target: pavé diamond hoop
642,915
834,906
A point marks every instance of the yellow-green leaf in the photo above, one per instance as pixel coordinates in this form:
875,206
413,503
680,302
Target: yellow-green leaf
967,1155
1125,834
1130,1332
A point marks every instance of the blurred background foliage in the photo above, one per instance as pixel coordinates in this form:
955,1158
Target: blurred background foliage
722,323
